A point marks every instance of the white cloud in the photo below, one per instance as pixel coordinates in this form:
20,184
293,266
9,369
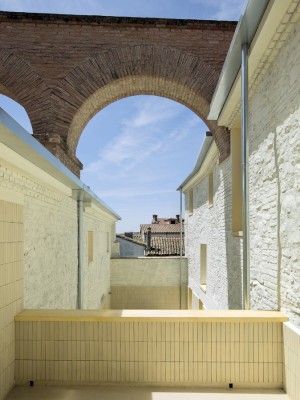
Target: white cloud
142,135
152,111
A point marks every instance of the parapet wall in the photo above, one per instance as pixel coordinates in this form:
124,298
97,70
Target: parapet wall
149,283
199,348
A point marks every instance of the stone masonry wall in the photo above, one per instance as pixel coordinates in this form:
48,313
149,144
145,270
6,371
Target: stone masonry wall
212,226
50,244
274,131
50,241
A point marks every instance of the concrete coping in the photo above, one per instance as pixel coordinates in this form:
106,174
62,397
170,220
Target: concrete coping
151,315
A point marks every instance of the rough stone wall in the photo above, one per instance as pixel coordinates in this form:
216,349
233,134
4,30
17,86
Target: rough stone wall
59,67
212,226
51,245
50,248
274,121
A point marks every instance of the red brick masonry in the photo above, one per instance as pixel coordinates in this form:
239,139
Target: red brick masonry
64,68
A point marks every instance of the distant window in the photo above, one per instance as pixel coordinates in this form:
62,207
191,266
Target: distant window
203,266
191,202
90,246
211,189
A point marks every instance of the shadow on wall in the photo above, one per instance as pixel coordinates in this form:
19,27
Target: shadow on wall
233,243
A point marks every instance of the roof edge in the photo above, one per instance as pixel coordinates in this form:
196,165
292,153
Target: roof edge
104,20
33,151
207,142
244,33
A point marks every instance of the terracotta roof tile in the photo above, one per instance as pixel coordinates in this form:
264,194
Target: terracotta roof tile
165,247
162,228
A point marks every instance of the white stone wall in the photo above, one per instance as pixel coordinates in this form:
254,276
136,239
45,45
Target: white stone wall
274,131
50,239
212,226
50,248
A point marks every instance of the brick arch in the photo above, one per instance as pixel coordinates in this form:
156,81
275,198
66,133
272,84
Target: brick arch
122,72
18,81
131,86
56,66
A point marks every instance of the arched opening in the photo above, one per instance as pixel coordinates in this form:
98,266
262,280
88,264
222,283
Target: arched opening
131,86
136,151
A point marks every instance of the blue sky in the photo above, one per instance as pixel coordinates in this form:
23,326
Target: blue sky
137,150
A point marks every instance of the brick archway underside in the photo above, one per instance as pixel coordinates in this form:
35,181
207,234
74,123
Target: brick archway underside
64,69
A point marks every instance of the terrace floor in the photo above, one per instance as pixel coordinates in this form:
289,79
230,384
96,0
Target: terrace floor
139,393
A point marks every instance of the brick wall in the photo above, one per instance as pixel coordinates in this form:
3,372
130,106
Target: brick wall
57,67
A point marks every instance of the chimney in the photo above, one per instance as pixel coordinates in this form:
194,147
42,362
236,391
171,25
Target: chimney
177,219
154,219
149,239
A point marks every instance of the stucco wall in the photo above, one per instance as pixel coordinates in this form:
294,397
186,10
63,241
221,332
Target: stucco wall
274,130
212,226
148,283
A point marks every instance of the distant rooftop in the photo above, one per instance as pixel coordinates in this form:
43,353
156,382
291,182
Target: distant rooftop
165,246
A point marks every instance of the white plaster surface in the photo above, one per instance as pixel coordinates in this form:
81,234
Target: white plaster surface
274,130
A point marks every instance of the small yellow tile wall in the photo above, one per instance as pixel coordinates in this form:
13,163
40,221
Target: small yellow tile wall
292,360
151,351
11,287
148,297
